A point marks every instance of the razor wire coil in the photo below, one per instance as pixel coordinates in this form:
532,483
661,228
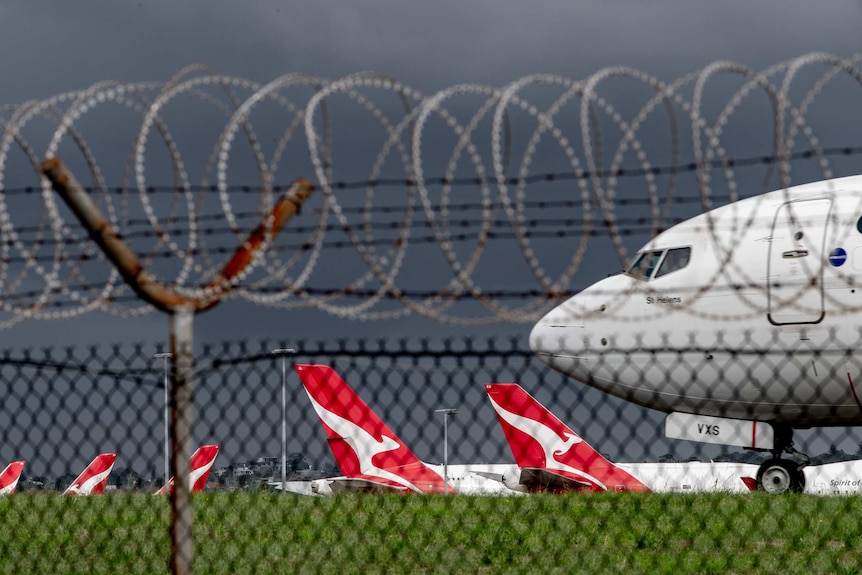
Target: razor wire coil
48,270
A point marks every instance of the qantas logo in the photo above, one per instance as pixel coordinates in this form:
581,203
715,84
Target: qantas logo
94,477
551,443
199,473
10,476
202,461
363,444
87,486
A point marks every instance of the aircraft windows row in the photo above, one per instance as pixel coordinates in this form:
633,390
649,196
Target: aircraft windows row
658,263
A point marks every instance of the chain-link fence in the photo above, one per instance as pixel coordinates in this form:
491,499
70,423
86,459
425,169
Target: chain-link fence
62,407
471,207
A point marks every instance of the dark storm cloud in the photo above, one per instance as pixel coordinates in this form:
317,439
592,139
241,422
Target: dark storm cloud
51,47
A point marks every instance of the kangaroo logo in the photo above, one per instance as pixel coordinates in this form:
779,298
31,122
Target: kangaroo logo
200,472
551,443
364,445
86,486
10,476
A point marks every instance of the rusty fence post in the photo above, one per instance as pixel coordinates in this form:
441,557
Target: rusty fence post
182,548
181,310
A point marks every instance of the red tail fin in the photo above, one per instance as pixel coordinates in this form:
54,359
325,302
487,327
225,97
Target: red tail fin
10,476
540,441
93,479
362,444
201,462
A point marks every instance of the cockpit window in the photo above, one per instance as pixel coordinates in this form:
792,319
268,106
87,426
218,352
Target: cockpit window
657,263
645,265
675,259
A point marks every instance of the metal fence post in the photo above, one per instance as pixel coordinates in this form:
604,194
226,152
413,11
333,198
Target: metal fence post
181,309
182,548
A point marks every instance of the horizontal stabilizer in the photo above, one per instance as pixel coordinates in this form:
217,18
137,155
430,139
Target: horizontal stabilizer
489,475
536,479
360,485
294,487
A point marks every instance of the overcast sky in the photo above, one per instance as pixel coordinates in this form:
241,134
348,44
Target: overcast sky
52,47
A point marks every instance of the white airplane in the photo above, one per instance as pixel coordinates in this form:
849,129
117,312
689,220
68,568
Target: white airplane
295,487
9,477
93,479
370,455
553,458
741,323
841,478
201,463
549,456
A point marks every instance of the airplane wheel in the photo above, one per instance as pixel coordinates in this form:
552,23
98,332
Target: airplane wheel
780,476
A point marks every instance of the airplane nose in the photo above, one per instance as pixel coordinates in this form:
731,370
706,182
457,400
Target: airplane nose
551,334
570,338
559,340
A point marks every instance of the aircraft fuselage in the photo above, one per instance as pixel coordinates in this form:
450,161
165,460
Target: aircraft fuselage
748,311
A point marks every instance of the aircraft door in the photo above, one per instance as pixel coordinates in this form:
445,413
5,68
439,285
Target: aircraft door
795,267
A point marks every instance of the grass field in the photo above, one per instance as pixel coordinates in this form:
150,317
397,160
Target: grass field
578,533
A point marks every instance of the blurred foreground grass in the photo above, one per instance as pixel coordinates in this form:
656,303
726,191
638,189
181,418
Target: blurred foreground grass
577,533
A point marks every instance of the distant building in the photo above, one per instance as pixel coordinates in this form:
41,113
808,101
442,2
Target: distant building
265,462
242,471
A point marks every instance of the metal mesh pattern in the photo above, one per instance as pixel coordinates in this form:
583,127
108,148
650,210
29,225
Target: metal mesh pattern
540,452
63,406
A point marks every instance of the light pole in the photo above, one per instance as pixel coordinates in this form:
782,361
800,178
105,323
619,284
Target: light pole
446,413
166,356
283,352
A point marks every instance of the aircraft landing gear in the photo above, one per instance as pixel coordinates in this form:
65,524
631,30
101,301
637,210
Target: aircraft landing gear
778,475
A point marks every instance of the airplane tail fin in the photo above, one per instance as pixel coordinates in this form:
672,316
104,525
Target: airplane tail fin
9,477
201,462
544,447
93,479
360,441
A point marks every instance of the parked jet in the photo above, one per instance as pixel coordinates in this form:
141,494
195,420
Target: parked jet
9,477
93,479
297,487
840,478
742,323
370,455
552,457
201,463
